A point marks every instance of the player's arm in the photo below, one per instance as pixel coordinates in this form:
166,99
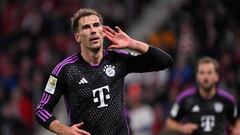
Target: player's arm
44,116
186,128
61,129
120,40
50,97
173,122
233,117
152,58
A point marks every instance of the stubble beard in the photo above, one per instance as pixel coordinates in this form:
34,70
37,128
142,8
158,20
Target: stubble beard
207,88
93,48
97,48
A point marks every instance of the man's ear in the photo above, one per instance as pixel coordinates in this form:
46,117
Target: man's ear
77,37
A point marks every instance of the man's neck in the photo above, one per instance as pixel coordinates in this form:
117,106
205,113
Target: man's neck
92,57
207,94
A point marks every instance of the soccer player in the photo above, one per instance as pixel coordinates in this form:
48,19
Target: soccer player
92,80
205,109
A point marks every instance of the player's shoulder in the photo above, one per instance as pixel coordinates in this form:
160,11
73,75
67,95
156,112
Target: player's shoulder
69,60
226,95
189,92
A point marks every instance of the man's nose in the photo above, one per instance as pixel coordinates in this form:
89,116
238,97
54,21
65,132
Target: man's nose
93,30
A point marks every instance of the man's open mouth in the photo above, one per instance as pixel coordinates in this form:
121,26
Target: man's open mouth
94,39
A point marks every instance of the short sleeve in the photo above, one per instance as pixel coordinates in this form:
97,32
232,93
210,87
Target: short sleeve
177,111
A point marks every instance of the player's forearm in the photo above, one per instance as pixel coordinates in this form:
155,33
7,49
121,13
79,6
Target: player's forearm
153,60
174,125
57,127
157,58
138,46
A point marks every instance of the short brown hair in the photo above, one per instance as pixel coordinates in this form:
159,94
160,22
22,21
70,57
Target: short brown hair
82,13
207,59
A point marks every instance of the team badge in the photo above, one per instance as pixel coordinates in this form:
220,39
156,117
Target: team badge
109,70
218,107
51,85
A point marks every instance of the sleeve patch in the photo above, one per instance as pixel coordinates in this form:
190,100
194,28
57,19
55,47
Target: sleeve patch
174,111
235,113
51,85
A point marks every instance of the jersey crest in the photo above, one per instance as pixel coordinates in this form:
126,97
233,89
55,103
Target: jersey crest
218,107
109,70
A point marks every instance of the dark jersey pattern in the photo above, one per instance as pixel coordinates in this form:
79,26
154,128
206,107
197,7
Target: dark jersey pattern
212,116
94,94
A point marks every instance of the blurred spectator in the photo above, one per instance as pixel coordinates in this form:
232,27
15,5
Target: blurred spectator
32,21
140,115
17,115
164,38
158,123
8,79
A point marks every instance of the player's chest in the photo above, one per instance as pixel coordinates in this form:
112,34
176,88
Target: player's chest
93,85
82,76
207,114
89,82
199,107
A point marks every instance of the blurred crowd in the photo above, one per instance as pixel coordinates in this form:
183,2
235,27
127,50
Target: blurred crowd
35,35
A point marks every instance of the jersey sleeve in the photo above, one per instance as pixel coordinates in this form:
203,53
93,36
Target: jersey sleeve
177,111
50,97
153,60
232,113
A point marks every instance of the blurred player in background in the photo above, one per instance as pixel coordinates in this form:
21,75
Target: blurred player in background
91,81
205,109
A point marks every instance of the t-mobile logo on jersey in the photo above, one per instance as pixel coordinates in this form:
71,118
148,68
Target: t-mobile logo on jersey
102,96
207,122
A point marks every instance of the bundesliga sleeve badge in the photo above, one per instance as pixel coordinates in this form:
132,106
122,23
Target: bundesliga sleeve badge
51,85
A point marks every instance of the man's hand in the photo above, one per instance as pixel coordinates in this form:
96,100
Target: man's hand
188,128
61,129
119,39
75,130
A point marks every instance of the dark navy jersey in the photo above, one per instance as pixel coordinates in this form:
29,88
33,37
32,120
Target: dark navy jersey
212,116
94,94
